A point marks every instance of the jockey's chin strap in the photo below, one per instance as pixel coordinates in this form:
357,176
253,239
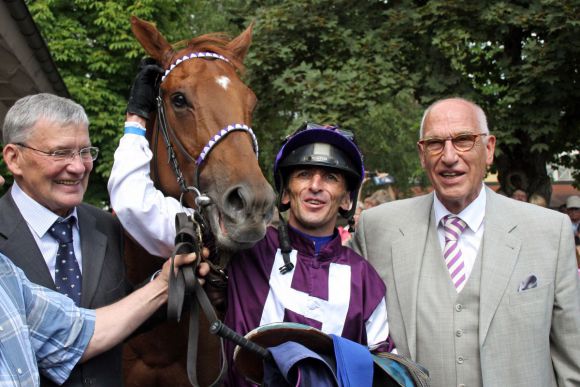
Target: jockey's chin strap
285,247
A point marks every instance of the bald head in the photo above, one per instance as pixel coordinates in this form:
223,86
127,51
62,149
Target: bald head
478,113
455,151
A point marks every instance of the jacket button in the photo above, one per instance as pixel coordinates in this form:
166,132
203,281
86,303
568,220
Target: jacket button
459,333
460,359
459,307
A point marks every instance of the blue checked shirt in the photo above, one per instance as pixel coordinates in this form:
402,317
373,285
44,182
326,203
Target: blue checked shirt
39,330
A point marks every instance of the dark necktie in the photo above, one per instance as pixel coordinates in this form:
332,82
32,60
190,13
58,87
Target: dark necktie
67,277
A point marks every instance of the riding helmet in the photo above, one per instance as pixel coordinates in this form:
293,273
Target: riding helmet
324,146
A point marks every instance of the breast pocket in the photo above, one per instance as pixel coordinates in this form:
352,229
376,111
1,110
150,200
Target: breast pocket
539,295
528,312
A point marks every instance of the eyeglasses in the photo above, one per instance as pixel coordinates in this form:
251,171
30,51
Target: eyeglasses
89,153
462,142
309,125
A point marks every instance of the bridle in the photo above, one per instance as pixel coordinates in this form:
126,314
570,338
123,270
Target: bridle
189,230
169,136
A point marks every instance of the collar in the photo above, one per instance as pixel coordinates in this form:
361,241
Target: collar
319,242
38,217
305,244
472,215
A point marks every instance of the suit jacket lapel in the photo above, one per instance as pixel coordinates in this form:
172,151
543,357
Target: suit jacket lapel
17,242
93,247
500,254
407,260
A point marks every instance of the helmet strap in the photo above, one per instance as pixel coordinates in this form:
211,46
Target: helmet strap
285,246
348,214
351,225
281,207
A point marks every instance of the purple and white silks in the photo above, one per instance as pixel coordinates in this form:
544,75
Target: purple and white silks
337,291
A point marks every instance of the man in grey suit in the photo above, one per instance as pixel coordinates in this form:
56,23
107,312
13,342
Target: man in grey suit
48,150
481,289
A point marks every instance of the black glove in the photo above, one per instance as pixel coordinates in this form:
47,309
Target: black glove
144,88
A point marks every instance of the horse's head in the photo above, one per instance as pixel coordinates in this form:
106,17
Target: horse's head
207,110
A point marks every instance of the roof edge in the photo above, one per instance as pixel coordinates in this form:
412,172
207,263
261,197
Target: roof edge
21,15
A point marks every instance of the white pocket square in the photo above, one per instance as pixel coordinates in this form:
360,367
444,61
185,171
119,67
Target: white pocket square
529,283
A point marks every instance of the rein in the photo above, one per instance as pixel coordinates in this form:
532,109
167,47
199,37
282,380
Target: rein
184,288
184,283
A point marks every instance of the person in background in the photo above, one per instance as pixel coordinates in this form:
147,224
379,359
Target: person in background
482,290
573,211
46,229
538,200
378,197
520,194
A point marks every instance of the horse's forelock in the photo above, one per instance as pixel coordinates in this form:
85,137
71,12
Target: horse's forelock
215,42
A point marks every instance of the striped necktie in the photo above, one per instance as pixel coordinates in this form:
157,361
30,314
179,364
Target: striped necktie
453,227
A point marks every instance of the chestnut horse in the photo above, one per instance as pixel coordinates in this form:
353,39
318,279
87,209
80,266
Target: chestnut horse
207,111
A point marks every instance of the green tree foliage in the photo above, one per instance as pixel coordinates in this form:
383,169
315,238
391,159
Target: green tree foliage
372,66
520,61
333,62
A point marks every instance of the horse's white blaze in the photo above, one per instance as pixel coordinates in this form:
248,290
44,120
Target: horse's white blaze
331,313
223,81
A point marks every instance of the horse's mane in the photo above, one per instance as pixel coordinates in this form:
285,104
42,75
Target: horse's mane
214,42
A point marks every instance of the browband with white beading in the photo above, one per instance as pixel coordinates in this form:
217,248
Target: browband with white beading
193,56
221,134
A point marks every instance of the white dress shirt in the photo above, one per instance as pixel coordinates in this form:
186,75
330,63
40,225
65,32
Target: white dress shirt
470,239
39,219
145,213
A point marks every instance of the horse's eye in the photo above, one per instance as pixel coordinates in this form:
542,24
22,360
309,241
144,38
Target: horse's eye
178,100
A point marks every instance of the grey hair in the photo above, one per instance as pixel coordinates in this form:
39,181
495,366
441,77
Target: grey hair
27,111
481,118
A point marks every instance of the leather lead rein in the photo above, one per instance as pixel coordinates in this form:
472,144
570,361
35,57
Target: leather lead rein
185,290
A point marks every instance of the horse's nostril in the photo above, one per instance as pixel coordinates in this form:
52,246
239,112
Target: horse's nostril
235,200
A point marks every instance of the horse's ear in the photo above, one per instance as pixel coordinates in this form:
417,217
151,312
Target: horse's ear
240,45
151,39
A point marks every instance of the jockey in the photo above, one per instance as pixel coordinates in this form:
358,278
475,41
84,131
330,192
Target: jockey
300,273
315,280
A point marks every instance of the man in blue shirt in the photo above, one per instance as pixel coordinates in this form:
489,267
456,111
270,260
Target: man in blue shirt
42,330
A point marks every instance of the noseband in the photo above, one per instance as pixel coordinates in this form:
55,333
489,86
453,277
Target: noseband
168,133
